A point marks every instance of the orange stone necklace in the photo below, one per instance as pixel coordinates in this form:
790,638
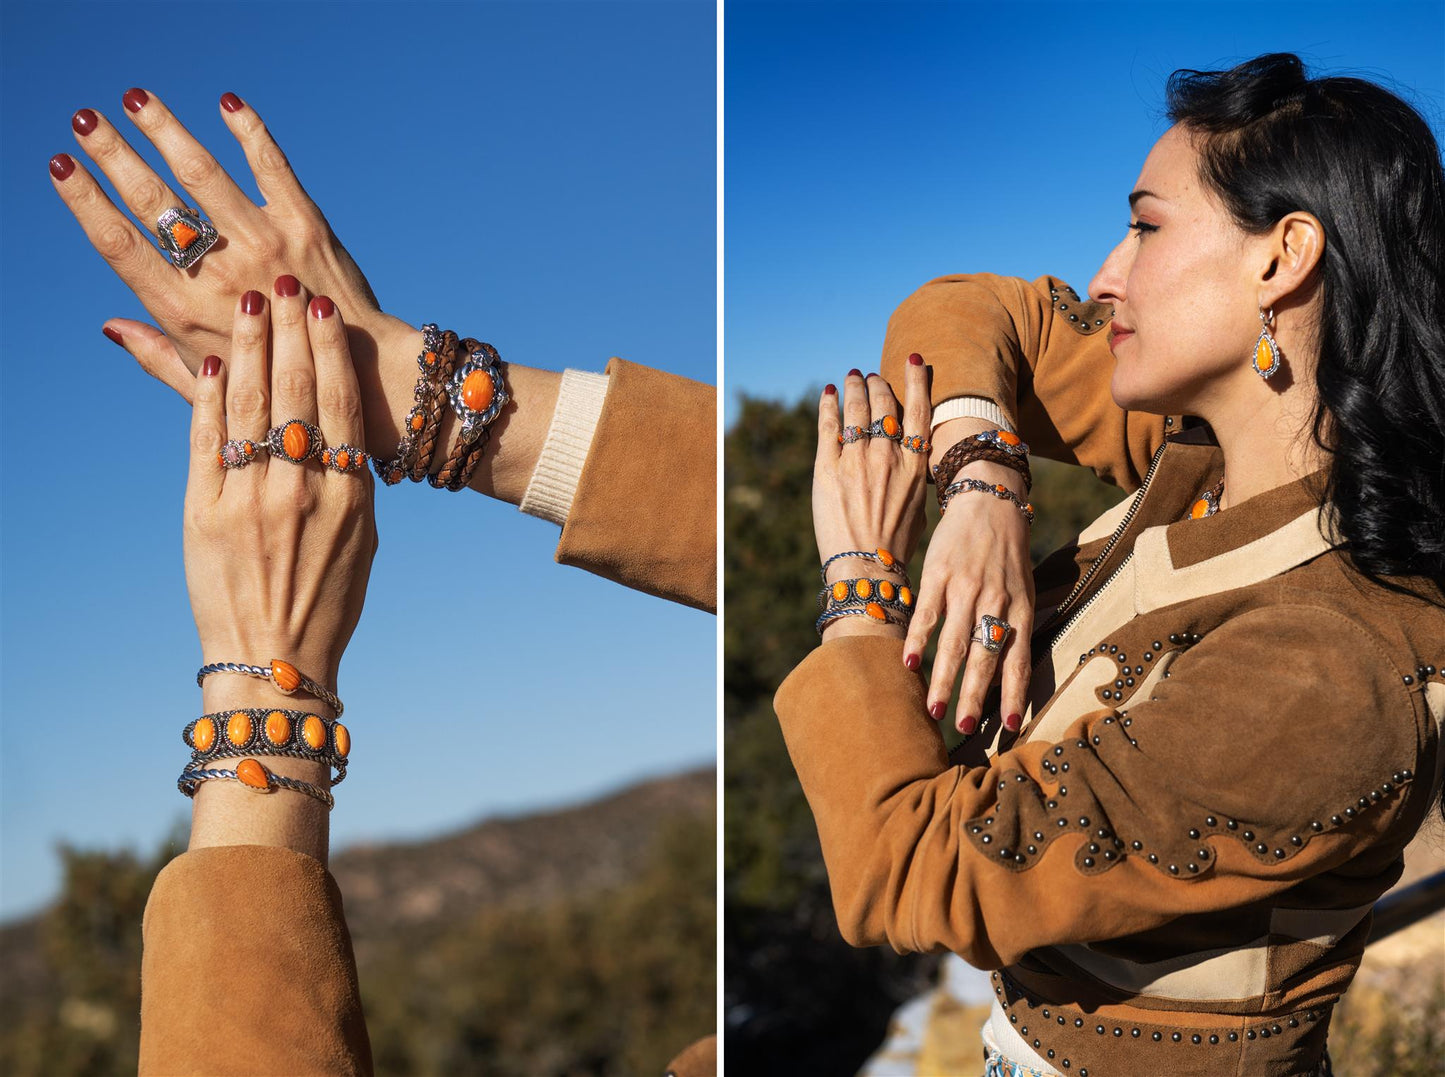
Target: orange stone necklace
1208,502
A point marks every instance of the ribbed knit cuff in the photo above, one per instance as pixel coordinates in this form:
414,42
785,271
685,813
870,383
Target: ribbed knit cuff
971,407
553,484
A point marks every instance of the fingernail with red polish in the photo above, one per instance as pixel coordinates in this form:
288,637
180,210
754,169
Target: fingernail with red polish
855,373
211,366
112,334
967,725
83,121
61,166
287,285
321,307
830,390
916,359
231,103
135,99
938,710
912,661
253,302
1012,722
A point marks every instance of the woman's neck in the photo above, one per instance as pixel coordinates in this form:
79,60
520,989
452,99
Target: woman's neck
1266,434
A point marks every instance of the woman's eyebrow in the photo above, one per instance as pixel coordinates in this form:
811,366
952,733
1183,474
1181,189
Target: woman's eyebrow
1141,193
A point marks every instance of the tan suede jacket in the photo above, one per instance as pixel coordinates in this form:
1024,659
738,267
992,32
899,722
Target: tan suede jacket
281,997
1231,738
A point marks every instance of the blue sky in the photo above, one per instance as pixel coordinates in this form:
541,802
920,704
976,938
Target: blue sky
872,147
540,175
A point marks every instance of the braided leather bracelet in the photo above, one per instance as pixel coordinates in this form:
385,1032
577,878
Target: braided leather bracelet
971,449
478,393
434,365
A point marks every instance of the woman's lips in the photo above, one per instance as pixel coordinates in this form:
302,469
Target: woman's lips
1116,335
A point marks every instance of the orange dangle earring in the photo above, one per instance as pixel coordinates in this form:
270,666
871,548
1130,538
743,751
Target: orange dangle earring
1266,352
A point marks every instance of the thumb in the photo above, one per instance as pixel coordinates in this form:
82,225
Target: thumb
155,353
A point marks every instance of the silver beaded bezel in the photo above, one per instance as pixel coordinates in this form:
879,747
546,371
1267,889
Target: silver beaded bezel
276,442
485,359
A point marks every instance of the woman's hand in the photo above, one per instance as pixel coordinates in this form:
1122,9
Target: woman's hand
977,563
868,494
194,307
277,553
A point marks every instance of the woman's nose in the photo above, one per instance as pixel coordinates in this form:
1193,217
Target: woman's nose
1108,284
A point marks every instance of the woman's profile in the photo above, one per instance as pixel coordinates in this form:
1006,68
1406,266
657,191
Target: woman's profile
1218,716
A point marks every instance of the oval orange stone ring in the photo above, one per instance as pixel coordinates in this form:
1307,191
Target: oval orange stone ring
295,440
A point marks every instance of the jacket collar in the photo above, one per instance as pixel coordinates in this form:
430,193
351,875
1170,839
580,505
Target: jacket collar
1242,545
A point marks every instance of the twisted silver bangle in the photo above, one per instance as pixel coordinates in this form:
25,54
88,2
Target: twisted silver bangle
284,677
855,611
978,485
191,779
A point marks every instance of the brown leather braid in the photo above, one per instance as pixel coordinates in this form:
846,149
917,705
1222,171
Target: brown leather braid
967,451
427,442
461,462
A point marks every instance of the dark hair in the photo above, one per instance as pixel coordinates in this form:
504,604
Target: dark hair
1365,164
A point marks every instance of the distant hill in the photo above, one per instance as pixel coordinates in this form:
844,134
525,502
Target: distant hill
580,940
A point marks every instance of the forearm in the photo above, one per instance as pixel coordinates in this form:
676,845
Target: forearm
388,379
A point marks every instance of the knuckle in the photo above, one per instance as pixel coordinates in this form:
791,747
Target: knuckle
338,399
115,242
288,313
248,404
301,498
207,436
294,383
270,159
149,193
198,171
270,248
249,335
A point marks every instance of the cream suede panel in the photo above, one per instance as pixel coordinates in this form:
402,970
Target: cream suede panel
1232,973
1435,700
1158,583
1323,927
1106,524
1078,696
1107,610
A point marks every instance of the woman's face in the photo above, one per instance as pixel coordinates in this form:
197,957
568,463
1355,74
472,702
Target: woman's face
1184,285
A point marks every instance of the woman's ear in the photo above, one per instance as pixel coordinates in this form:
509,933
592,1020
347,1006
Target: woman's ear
1295,246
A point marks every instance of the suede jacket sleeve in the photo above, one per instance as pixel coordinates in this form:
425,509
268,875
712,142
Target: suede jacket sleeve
1105,833
247,968
645,513
1037,352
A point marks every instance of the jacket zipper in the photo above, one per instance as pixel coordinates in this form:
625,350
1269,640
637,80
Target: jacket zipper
1087,577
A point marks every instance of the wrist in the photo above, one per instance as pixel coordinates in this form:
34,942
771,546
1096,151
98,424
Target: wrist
862,626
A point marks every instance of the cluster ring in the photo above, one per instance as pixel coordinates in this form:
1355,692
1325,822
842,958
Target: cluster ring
344,458
237,453
851,434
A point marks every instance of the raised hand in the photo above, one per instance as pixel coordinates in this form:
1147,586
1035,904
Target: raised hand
194,307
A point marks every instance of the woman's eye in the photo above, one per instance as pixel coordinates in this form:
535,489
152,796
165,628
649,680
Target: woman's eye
1141,227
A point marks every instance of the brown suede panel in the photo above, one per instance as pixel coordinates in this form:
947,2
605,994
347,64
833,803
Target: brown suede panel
697,1060
248,968
645,513
1005,339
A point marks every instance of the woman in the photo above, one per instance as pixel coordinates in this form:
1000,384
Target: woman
1225,728
579,449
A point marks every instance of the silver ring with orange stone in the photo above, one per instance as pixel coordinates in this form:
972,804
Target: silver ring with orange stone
284,677
992,633
478,392
887,427
344,458
237,453
253,776
269,731
185,236
295,440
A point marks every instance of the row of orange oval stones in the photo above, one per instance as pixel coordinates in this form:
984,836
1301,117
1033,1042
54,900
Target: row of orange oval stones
276,730
864,589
